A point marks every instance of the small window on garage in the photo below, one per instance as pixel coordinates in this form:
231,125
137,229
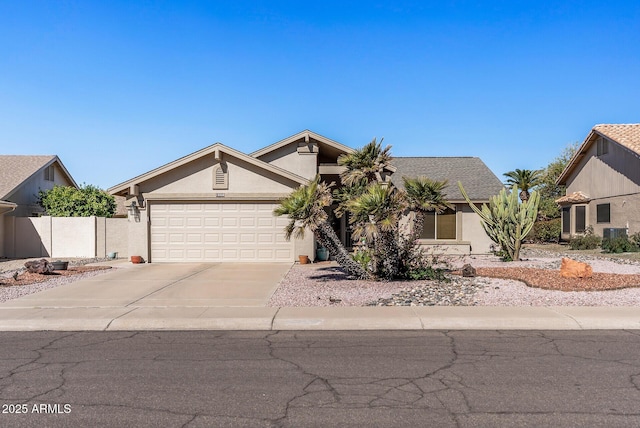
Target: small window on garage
220,176
604,213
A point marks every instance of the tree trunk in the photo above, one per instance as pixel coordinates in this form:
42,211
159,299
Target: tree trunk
391,260
418,225
328,239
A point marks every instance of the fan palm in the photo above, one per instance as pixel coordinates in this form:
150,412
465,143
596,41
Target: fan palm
375,215
305,208
523,179
423,195
367,163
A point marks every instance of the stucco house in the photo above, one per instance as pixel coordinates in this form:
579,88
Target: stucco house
603,183
21,179
217,204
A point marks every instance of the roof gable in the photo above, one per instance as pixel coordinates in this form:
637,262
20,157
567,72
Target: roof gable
214,149
626,135
306,135
478,180
17,169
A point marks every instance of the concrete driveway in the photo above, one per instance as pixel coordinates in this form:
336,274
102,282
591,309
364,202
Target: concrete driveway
165,285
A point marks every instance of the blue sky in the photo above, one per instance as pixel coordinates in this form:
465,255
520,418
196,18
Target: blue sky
118,88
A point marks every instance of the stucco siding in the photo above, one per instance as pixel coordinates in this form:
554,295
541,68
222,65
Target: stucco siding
288,158
612,174
117,237
473,231
624,214
197,177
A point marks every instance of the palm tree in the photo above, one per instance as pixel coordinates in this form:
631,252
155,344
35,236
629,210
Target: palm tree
423,195
523,179
367,163
305,208
376,215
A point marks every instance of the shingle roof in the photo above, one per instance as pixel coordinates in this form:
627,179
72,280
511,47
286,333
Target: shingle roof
627,135
15,169
573,198
476,178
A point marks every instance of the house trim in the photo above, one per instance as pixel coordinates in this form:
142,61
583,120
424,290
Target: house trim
216,149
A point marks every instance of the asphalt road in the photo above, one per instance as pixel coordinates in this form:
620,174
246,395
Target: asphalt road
299,379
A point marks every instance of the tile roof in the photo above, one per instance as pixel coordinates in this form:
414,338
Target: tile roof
15,169
573,198
476,178
627,135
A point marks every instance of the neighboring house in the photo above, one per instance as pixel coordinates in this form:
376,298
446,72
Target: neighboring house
21,179
603,183
217,204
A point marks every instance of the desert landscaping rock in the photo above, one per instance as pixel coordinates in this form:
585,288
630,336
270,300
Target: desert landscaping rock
324,285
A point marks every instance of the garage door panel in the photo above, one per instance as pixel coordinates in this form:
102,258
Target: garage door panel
229,222
194,221
218,232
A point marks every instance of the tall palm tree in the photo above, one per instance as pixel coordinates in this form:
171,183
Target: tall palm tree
424,195
523,179
376,215
367,163
305,208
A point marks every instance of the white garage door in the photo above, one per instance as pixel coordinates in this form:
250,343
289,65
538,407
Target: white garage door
218,232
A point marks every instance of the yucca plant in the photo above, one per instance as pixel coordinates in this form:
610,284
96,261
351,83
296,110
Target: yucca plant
424,195
305,208
375,216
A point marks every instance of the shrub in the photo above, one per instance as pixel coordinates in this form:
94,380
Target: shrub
635,238
363,256
621,244
428,272
588,241
546,231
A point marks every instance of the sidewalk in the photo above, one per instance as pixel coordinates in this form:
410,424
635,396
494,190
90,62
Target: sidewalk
319,318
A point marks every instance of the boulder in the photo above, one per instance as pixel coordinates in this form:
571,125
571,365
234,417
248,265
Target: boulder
468,271
41,266
575,269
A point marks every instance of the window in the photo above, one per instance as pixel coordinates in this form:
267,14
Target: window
48,173
603,213
603,146
220,176
581,217
566,220
439,226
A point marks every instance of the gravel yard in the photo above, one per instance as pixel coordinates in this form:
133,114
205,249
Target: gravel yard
28,283
326,285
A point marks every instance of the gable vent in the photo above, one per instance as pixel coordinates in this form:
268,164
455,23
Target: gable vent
219,177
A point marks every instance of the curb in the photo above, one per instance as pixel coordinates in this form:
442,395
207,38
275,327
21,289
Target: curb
319,318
